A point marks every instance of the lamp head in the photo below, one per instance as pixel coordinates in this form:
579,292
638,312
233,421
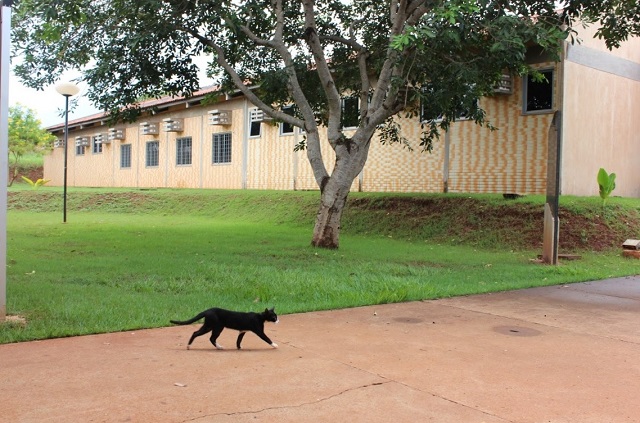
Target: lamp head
67,89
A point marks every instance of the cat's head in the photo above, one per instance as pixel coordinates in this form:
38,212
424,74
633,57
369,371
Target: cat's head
270,315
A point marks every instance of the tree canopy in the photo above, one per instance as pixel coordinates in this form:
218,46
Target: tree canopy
391,55
26,136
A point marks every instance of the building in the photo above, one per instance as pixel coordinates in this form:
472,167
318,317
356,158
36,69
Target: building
232,145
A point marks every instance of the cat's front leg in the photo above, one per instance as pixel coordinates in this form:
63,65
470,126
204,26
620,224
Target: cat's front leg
266,339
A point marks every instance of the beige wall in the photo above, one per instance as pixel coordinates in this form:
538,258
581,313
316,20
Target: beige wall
511,159
227,175
601,117
601,129
629,50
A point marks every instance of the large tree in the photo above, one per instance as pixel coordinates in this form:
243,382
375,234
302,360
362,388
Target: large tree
392,55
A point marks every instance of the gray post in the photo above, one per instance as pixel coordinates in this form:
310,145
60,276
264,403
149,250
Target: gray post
5,37
551,220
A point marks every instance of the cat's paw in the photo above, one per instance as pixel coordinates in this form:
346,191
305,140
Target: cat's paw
188,347
220,347
274,345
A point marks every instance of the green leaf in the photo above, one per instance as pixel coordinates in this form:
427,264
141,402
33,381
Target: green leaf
606,183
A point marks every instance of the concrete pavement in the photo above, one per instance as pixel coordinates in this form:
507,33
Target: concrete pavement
554,355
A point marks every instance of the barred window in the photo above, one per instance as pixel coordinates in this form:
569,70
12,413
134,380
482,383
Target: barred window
96,146
221,152
80,150
183,151
125,156
254,125
153,154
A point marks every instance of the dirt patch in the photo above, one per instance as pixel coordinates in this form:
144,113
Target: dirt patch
14,320
514,224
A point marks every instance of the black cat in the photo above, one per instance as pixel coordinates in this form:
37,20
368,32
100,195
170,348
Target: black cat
216,319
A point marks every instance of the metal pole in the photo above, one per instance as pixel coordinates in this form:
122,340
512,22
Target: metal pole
66,140
5,37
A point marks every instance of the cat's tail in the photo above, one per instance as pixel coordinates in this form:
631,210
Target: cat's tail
188,322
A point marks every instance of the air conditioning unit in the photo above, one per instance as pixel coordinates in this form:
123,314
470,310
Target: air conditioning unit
101,138
82,141
149,128
219,117
58,144
258,115
115,134
504,86
173,125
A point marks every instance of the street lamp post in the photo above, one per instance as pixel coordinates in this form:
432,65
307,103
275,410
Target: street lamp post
67,89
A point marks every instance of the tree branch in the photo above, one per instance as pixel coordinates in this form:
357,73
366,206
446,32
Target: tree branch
242,85
328,85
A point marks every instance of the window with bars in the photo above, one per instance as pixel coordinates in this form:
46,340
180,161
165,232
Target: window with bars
153,154
183,151
80,150
125,156
221,150
254,125
96,146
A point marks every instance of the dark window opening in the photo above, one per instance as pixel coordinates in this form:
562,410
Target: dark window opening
539,94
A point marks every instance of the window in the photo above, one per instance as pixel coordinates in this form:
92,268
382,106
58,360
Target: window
96,145
426,112
462,105
538,95
125,156
80,150
254,125
153,154
285,128
221,148
350,112
183,151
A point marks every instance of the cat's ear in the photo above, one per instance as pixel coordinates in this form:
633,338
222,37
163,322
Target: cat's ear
266,310
272,309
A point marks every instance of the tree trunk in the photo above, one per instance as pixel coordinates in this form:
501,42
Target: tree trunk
351,155
326,233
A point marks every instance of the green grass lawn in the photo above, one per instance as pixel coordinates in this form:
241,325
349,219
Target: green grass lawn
109,271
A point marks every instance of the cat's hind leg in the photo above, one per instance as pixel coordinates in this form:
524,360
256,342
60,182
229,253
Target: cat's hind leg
214,336
240,336
204,329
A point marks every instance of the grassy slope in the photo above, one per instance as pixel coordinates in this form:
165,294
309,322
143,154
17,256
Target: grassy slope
132,259
485,221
